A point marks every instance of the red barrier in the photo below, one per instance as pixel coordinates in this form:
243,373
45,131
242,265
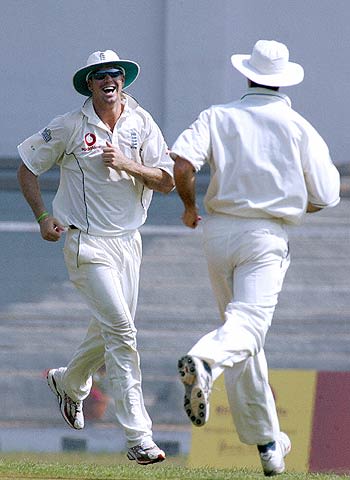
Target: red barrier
330,442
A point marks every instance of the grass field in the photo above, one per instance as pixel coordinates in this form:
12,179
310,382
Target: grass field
106,466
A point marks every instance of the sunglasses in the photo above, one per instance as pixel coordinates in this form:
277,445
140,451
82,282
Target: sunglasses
102,74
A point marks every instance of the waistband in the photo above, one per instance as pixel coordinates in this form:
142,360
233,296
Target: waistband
236,223
245,220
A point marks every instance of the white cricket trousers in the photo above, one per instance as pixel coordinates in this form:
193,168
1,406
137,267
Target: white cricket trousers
247,261
106,271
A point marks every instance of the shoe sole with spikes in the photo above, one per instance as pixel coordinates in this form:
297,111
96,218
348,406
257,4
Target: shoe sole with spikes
196,378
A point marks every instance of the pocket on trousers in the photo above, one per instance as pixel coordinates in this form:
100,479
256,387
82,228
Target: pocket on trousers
71,248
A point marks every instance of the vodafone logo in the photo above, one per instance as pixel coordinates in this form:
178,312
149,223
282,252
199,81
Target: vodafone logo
90,139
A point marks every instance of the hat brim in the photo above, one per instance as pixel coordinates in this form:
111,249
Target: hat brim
291,75
131,69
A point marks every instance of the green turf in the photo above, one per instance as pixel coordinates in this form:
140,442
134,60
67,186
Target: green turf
87,466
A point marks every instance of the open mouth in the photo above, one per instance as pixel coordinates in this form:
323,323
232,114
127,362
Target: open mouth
109,89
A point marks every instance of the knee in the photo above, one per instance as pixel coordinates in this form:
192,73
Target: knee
119,338
249,323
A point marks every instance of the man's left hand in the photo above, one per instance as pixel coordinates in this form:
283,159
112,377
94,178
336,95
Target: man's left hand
191,218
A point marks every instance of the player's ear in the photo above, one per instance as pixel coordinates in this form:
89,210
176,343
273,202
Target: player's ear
89,84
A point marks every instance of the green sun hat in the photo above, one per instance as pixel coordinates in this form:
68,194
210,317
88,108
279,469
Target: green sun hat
97,60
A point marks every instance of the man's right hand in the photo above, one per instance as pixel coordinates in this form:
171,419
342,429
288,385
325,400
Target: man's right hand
50,229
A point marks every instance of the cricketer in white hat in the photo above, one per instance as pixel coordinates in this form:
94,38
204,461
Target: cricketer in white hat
268,167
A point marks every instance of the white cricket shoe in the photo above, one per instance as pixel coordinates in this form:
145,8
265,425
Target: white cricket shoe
195,374
71,411
146,455
272,460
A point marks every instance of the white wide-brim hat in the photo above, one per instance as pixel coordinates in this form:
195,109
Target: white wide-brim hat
269,65
97,60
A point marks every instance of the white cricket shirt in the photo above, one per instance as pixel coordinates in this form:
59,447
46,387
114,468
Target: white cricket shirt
265,159
91,196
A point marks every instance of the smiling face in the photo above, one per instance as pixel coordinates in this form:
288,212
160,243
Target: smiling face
105,84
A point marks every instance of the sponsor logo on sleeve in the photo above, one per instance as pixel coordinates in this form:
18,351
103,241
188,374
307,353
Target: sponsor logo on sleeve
46,134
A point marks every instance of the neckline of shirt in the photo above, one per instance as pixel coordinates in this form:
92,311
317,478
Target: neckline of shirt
267,93
88,110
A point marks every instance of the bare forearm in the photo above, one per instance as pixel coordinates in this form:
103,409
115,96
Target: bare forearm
50,228
31,190
154,178
185,181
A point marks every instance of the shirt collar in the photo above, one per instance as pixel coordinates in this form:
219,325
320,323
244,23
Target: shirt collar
267,92
89,111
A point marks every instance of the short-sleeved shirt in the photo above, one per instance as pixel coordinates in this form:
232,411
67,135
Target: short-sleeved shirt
265,159
96,199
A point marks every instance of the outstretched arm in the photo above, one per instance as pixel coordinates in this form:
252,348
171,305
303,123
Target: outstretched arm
185,182
50,228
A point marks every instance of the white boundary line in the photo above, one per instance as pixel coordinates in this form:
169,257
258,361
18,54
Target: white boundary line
18,227
32,227
311,230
